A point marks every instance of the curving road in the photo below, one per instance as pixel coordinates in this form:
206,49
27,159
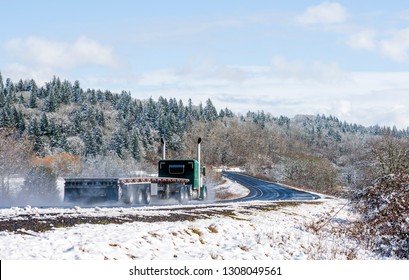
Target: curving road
264,190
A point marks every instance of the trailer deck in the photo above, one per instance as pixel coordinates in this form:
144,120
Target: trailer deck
126,181
137,190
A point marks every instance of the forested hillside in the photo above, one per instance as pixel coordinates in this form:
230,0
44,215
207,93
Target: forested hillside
91,131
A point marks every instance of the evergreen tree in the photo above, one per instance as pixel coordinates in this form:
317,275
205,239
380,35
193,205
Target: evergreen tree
163,125
44,124
210,112
135,148
77,122
228,113
101,96
21,124
33,87
54,133
21,100
34,132
2,99
32,103
9,88
1,85
11,98
200,114
91,116
117,144
51,102
190,107
66,92
77,92
222,114
92,98
151,111
98,139
123,133
4,118
20,86
14,116
63,144
90,145
147,138
100,118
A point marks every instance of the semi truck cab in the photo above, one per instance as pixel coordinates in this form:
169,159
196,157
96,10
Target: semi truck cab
189,169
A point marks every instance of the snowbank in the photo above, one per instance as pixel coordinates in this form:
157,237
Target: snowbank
245,231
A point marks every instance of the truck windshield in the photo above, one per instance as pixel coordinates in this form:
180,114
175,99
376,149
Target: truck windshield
176,169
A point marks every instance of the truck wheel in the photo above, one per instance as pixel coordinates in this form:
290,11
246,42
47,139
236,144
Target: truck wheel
120,194
139,196
147,195
128,196
203,195
189,192
183,195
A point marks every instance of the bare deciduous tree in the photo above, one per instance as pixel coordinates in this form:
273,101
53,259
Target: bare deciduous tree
15,154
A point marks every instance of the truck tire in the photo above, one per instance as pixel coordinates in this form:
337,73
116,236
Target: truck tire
139,199
203,193
128,196
183,195
189,192
120,195
147,195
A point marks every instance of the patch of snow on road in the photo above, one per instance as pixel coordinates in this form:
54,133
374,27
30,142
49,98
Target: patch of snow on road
230,190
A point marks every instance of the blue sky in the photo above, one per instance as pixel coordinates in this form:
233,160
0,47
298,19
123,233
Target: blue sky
345,58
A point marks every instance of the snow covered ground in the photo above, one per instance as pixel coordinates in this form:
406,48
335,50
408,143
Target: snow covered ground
232,231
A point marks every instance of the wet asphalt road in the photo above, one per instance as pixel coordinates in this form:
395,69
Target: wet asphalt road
264,190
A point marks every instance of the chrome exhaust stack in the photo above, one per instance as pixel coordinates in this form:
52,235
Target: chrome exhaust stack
198,160
163,148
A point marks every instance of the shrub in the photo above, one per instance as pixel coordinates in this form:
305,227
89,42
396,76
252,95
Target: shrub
314,173
384,209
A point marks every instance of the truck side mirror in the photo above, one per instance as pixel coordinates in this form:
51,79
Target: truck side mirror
204,171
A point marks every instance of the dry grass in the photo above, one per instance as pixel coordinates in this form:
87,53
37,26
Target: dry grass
213,229
197,231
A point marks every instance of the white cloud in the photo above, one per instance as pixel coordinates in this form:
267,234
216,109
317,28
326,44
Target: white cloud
40,52
396,47
324,13
393,44
345,107
16,71
209,68
364,39
404,15
315,71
